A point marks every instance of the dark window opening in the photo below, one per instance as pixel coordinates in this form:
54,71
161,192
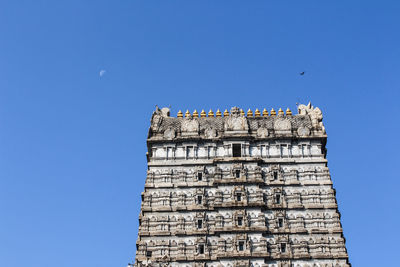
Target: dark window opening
237,173
199,176
240,220
237,150
269,248
280,222
199,200
283,247
199,224
278,199
238,196
142,197
275,175
148,253
241,245
201,249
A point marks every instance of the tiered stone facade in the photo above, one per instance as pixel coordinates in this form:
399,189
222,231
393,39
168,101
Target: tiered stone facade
239,191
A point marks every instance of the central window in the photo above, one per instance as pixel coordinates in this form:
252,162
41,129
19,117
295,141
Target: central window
199,224
201,249
278,199
199,200
238,196
240,221
241,245
200,176
269,248
237,173
280,222
237,150
275,175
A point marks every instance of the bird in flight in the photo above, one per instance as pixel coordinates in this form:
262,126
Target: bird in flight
302,73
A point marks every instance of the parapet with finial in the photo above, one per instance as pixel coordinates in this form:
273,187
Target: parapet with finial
308,122
180,114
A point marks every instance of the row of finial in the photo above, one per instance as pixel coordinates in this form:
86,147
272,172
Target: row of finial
218,114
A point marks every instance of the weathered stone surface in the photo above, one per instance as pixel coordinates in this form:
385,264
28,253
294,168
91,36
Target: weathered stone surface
272,204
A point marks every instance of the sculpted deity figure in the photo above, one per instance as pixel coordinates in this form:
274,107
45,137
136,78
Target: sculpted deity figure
169,133
190,126
282,126
262,132
235,121
315,114
210,133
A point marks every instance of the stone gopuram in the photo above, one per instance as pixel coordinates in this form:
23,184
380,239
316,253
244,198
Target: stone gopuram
238,189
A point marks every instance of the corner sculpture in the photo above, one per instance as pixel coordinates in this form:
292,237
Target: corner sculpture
315,115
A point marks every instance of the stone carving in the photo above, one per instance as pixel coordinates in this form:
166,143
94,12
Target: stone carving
303,131
156,119
282,126
165,112
235,121
315,114
262,132
274,207
169,133
210,133
190,126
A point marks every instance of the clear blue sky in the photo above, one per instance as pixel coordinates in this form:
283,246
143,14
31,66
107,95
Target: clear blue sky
73,144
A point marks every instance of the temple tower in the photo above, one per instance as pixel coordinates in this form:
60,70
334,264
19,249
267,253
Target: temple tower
239,189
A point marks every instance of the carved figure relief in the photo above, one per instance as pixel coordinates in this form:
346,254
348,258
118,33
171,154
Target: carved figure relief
190,125
235,121
210,133
262,132
169,133
303,131
282,125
